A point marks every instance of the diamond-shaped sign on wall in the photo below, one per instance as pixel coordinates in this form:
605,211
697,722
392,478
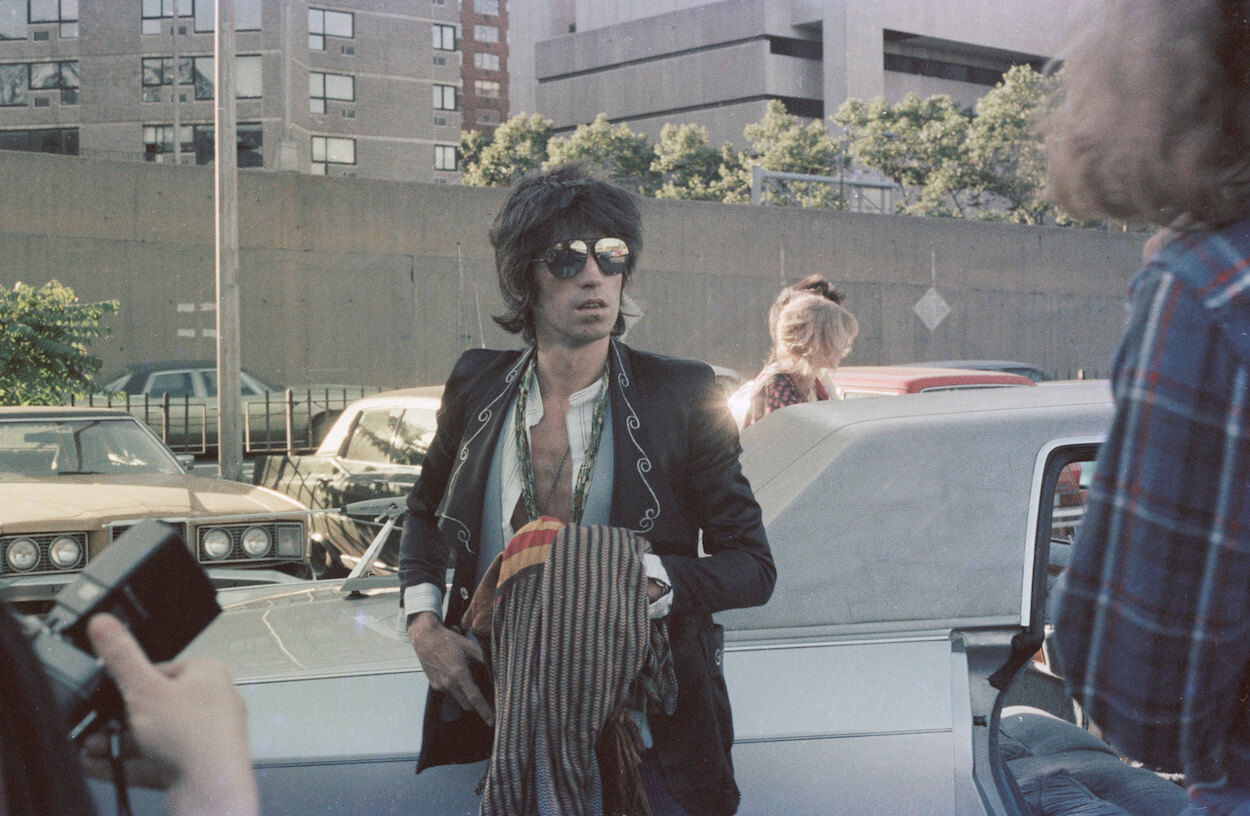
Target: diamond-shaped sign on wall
932,309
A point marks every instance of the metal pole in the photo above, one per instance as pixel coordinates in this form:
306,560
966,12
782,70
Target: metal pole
229,390
173,30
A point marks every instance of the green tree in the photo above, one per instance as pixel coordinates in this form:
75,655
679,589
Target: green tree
44,336
687,167
1006,149
920,144
780,142
519,146
617,152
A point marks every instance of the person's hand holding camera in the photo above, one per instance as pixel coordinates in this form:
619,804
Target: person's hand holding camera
187,722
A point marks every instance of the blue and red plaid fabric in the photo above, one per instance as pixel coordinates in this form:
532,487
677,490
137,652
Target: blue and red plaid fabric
1152,619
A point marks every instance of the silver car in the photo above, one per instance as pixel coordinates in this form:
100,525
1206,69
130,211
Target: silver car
911,539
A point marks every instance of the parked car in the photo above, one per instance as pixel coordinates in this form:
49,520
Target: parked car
1010,366
911,540
73,479
190,424
853,382
374,450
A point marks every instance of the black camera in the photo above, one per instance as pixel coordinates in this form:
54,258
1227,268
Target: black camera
148,579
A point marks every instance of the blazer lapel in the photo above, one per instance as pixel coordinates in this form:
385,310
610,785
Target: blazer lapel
460,512
635,504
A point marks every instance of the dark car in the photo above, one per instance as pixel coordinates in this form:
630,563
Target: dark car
374,450
189,424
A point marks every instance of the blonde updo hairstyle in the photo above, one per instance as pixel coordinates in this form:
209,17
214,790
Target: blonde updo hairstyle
809,326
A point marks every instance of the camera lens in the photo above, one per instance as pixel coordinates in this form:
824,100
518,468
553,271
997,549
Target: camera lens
65,552
23,554
217,544
255,542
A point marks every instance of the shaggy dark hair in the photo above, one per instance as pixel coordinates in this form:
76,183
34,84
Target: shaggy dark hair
1153,122
565,202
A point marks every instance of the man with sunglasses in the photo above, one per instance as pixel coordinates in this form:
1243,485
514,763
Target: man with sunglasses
578,426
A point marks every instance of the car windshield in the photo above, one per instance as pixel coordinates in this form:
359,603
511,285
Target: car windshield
42,448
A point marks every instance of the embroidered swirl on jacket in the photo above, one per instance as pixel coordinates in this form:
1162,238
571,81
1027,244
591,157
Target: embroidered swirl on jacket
483,417
643,464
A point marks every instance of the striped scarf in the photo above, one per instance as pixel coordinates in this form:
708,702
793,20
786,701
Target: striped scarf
571,649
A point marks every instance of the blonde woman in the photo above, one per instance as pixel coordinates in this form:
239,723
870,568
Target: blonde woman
810,336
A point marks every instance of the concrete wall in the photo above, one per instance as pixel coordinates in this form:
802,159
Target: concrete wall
382,283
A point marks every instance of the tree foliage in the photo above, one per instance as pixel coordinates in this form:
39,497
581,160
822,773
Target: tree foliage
916,143
519,146
44,336
618,153
946,161
686,166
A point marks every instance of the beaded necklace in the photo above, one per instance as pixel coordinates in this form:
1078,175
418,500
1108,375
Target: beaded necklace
582,487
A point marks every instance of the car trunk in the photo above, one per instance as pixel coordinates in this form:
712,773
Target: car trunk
908,560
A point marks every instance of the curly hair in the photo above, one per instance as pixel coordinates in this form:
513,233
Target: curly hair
540,210
1153,121
810,324
815,284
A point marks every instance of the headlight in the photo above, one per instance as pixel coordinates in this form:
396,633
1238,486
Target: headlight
23,554
217,544
64,552
290,541
255,542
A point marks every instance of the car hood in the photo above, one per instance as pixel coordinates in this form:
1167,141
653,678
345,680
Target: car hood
131,496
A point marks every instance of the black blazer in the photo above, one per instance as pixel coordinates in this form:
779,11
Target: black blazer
675,473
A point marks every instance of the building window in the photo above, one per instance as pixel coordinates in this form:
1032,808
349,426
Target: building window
322,87
486,34
196,71
63,141
488,116
62,12
246,14
486,88
444,157
247,77
445,97
486,6
197,141
328,151
324,23
444,37
486,62
18,79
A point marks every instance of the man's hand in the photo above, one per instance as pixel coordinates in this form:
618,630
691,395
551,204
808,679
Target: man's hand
445,657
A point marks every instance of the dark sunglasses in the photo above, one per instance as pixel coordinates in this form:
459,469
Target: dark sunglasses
566,258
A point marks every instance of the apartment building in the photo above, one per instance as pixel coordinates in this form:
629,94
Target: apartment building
369,88
484,46
648,62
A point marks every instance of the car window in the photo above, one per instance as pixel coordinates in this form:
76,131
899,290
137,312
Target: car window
173,383
47,448
248,386
370,438
416,429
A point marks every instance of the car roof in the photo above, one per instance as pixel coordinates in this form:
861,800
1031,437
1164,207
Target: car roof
418,393
917,378
61,412
1013,366
908,513
161,365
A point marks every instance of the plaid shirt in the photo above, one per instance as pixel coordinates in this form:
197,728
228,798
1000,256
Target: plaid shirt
1153,616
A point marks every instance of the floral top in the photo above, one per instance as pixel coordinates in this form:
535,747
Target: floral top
776,389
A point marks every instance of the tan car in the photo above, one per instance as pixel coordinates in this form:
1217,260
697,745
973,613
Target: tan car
72,479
